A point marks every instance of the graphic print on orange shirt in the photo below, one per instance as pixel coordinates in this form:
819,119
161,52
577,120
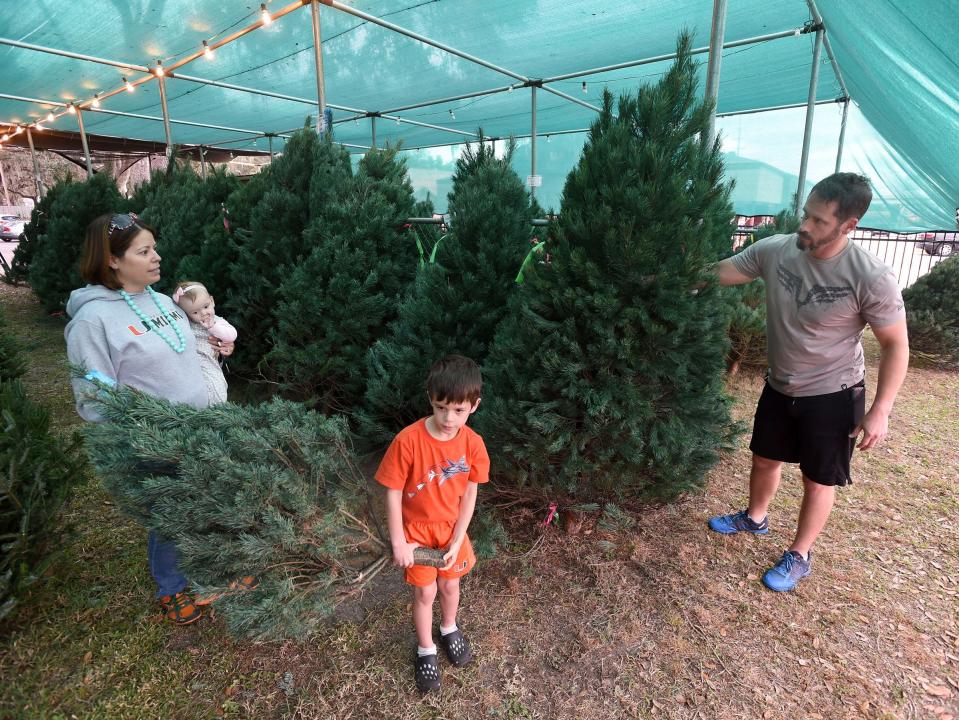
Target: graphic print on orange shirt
444,471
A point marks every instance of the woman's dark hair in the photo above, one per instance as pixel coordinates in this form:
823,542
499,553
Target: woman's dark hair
108,235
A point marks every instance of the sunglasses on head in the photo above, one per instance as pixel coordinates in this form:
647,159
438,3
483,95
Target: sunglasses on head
121,221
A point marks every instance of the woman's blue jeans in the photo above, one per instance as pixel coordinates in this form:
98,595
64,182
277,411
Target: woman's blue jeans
164,559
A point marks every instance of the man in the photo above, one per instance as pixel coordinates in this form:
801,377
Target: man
821,291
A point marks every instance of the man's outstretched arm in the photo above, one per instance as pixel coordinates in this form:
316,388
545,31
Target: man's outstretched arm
729,275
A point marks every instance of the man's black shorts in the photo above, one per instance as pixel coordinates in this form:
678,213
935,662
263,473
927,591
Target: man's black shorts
812,431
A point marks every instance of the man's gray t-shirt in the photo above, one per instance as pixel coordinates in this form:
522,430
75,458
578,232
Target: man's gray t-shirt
816,311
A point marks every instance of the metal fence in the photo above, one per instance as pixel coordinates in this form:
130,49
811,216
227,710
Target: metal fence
910,255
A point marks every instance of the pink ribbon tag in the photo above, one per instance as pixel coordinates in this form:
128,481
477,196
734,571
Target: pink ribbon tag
553,512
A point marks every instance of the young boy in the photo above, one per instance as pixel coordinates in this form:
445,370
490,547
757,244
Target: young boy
431,472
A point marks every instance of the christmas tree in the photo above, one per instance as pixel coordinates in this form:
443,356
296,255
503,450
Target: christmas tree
12,363
37,471
270,216
457,300
747,302
932,314
266,490
338,300
55,263
606,376
35,229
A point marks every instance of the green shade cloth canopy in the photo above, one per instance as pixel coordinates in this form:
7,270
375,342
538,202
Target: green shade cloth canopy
899,70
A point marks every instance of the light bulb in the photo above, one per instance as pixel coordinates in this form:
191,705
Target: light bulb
50,117
509,89
39,127
265,15
4,138
72,110
128,84
397,119
452,114
584,87
207,52
158,70
547,138
18,130
96,101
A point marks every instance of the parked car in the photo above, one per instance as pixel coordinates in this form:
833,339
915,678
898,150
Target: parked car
939,243
11,227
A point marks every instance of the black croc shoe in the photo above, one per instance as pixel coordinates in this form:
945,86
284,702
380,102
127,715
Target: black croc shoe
457,648
427,673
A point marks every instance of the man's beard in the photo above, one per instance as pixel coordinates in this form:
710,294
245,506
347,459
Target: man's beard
807,245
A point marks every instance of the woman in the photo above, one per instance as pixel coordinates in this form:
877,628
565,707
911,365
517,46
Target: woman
122,329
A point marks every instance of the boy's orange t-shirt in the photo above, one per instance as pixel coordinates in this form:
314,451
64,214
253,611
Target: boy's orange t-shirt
433,474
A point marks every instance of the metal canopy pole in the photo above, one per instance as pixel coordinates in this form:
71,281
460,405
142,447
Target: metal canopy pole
771,108
571,98
318,58
399,119
269,140
202,163
83,141
672,56
166,117
842,133
716,36
373,130
532,144
817,19
810,109
36,166
138,116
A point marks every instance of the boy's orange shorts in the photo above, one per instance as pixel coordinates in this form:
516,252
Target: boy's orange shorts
437,535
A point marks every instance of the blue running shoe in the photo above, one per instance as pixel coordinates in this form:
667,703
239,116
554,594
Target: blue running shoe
738,522
790,569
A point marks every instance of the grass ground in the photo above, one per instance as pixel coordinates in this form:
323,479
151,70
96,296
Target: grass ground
660,620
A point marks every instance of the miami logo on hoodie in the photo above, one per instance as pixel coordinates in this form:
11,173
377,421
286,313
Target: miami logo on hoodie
157,321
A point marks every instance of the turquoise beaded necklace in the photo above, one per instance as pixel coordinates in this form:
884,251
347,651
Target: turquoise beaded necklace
181,344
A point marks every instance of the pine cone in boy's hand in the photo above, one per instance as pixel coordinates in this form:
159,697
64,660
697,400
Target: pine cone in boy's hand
429,557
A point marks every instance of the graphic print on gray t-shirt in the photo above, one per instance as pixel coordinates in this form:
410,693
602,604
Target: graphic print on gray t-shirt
794,284
816,311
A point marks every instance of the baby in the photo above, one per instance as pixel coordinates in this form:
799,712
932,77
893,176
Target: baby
209,330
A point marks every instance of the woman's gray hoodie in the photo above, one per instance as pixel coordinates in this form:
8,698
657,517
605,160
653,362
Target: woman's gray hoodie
104,334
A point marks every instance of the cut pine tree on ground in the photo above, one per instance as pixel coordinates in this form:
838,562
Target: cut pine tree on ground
663,620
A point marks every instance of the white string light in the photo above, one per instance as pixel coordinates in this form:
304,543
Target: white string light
128,84
95,103
265,15
584,87
452,114
72,110
158,70
207,51
50,116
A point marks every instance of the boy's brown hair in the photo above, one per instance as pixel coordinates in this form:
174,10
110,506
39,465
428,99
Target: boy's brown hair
454,379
